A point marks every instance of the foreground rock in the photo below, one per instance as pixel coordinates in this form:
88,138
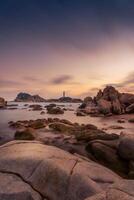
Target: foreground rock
121,190
26,134
111,150
3,103
39,171
117,155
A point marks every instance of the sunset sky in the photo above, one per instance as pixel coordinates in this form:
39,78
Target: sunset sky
47,46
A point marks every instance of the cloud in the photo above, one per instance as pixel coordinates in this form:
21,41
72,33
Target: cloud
91,92
62,79
9,83
126,82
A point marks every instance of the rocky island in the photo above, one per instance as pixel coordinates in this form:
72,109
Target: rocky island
25,97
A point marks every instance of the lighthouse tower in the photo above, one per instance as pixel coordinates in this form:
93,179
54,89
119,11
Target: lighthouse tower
64,93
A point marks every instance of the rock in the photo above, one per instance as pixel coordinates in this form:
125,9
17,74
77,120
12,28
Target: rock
62,127
37,124
55,111
52,173
131,169
88,99
104,106
126,147
83,106
80,114
116,107
121,190
108,157
116,127
130,109
25,97
26,134
131,120
89,135
51,105
12,187
121,121
127,99
42,113
3,103
36,107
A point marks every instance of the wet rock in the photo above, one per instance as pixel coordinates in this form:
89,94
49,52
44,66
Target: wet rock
116,127
37,124
121,121
131,120
51,105
42,113
26,134
36,107
3,103
89,135
80,114
55,111
62,127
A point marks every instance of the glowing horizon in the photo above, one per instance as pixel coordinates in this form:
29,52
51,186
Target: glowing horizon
58,48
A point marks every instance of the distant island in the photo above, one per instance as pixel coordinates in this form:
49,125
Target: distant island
25,97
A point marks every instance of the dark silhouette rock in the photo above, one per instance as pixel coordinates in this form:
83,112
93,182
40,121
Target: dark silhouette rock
25,97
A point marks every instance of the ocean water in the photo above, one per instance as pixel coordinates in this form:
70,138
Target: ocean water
22,113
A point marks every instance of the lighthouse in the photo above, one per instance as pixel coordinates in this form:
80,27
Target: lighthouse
64,93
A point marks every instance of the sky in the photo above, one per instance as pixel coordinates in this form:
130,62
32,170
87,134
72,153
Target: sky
77,46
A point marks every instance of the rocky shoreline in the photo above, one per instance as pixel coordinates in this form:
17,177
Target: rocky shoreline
53,159
85,140
56,159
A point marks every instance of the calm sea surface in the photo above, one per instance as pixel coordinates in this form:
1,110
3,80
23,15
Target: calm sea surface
22,113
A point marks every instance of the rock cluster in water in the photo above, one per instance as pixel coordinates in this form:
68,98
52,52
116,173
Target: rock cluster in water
3,103
111,150
108,102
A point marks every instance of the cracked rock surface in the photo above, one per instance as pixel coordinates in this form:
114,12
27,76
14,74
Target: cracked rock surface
30,170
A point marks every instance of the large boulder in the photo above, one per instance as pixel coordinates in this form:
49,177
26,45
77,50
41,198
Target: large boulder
107,155
121,190
3,103
50,173
104,106
127,99
12,187
126,147
130,109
